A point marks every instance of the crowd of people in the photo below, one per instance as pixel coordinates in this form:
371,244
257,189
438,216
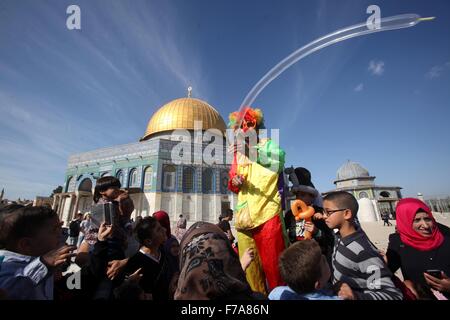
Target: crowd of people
338,263
273,254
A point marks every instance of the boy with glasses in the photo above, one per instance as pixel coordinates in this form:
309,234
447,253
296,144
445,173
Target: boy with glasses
359,272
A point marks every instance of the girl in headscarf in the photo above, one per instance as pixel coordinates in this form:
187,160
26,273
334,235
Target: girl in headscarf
420,245
209,268
171,247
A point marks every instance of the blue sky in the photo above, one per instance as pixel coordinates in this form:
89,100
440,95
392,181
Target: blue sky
381,100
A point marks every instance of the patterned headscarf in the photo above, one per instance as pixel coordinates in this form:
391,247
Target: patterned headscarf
209,268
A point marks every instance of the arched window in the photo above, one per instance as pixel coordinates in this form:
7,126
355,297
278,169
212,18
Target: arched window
385,194
169,177
363,195
69,181
119,175
207,181
188,179
85,185
132,180
148,173
224,181
105,174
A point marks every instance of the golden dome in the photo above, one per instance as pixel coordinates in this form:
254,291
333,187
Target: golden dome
181,114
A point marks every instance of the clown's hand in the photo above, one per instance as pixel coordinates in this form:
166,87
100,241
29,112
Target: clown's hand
237,181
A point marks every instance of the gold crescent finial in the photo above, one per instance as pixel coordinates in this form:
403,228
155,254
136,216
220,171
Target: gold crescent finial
189,92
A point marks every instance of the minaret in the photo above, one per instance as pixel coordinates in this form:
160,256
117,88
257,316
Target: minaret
420,197
1,194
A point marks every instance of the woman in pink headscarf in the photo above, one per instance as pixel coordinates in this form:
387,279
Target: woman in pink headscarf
420,246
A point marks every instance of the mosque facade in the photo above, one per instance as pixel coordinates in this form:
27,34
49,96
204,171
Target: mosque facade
193,187
374,200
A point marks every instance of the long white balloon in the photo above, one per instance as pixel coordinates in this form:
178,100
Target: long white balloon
389,23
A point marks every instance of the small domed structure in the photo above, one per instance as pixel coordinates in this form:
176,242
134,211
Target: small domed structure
351,170
374,199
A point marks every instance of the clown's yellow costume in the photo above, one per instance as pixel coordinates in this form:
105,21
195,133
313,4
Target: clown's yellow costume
258,214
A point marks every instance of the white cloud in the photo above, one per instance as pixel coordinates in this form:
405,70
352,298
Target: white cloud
38,133
376,67
158,38
436,71
359,87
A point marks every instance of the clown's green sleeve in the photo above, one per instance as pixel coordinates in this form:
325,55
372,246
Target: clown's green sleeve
270,155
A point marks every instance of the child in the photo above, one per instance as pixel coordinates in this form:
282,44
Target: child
299,269
358,269
304,190
153,261
224,224
107,189
31,238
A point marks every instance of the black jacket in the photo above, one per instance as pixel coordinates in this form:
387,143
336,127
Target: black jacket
74,228
413,263
154,275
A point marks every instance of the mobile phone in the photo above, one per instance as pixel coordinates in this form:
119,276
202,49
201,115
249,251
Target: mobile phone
105,212
435,273
108,212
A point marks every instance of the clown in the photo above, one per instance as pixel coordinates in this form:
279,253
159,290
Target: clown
258,182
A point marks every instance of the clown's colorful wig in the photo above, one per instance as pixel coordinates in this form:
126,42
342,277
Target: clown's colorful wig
248,115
